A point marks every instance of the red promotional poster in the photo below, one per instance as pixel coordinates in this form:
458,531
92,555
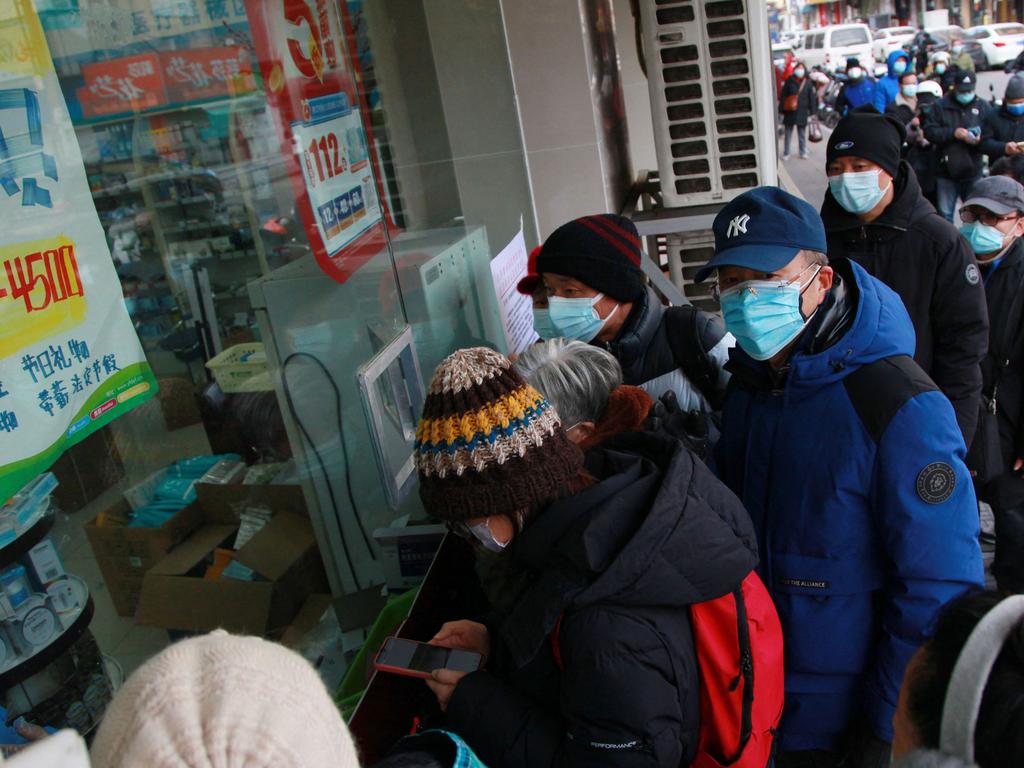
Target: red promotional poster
129,84
308,73
207,73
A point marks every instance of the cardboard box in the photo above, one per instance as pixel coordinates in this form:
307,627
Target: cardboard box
125,554
284,554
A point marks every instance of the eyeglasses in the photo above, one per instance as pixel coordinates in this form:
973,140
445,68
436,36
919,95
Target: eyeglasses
989,219
716,287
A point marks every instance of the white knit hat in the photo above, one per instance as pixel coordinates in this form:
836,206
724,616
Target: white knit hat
221,701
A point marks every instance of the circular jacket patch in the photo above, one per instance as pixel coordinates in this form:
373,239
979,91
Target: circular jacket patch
936,483
972,274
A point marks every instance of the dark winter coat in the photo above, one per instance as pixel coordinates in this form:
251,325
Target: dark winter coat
806,103
1004,290
648,359
887,87
997,130
618,566
922,257
917,151
941,125
866,519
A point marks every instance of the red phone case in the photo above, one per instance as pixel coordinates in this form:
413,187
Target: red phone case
397,670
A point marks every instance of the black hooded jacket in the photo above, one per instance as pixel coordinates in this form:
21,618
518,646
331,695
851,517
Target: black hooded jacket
998,129
940,128
922,257
649,357
616,568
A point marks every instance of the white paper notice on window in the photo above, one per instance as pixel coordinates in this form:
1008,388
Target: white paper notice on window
507,269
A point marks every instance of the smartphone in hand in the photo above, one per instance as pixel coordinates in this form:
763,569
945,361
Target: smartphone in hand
413,659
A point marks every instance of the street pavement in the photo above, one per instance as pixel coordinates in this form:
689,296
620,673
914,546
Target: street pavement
809,174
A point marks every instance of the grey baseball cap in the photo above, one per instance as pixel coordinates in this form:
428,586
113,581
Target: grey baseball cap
999,194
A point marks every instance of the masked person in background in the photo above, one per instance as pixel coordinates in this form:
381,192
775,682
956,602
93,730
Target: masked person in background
874,214
797,103
954,127
1002,130
960,59
592,662
888,87
993,226
940,70
859,89
597,294
918,151
851,465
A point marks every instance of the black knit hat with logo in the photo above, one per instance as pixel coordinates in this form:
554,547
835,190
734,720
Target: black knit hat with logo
867,133
601,251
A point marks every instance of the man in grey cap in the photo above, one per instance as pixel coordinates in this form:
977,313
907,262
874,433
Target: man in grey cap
1002,130
993,226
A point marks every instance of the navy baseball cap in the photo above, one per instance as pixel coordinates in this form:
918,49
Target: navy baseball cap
764,229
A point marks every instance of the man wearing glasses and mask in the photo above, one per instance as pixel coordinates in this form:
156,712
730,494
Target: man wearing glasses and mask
850,462
993,226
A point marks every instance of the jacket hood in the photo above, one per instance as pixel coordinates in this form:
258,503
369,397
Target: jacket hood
639,329
908,204
874,324
656,530
894,57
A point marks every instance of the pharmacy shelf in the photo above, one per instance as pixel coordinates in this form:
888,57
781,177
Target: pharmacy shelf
22,667
27,539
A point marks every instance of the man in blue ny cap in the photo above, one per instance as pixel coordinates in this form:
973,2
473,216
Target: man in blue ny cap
851,464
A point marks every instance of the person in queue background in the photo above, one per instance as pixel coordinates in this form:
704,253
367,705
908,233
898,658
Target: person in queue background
960,59
597,294
797,103
888,87
875,214
912,112
940,70
993,226
1002,130
859,89
851,465
962,700
903,106
616,549
954,127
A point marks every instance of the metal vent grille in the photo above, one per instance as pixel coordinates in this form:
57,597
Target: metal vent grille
712,97
687,253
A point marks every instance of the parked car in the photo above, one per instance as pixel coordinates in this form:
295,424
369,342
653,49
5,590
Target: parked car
999,43
830,47
891,39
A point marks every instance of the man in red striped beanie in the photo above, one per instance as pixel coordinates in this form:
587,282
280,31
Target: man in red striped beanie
597,293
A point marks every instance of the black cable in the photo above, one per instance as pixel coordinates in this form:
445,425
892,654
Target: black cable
320,460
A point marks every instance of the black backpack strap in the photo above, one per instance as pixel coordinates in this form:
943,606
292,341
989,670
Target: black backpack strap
746,676
691,335
878,390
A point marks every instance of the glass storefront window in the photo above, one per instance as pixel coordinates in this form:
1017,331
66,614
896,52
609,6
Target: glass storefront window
301,201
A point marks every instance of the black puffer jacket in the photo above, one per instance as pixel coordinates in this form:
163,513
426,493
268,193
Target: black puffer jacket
998,129
941,125
922,257
648,358
618,565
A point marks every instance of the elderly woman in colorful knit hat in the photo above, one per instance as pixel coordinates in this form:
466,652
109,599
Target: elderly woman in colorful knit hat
617,550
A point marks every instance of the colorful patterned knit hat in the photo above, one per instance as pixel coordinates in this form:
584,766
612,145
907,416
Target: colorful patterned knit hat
488,442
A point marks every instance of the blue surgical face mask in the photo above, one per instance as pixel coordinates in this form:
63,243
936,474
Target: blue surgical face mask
855,73
982,238
899,66
857,192
940,69
576,318
957,49
1015,109
764,315
799,72
542,324
909,91
965,98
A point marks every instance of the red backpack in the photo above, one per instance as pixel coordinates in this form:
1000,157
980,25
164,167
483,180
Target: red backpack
738,639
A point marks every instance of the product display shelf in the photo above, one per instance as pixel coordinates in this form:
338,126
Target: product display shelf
28,538
23,666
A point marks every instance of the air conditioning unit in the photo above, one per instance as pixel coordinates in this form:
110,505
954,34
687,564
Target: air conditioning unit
687,253
709,70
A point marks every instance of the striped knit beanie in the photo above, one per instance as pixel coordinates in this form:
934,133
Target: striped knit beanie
600,251
488,442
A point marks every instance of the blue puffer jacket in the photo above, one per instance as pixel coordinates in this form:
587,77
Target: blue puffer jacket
866,519
887,88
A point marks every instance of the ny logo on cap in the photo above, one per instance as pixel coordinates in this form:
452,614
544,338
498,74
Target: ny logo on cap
737,226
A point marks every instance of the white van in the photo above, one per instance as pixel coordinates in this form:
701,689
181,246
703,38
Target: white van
830,47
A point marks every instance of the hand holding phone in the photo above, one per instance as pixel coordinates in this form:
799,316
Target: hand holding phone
413,659
465,635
